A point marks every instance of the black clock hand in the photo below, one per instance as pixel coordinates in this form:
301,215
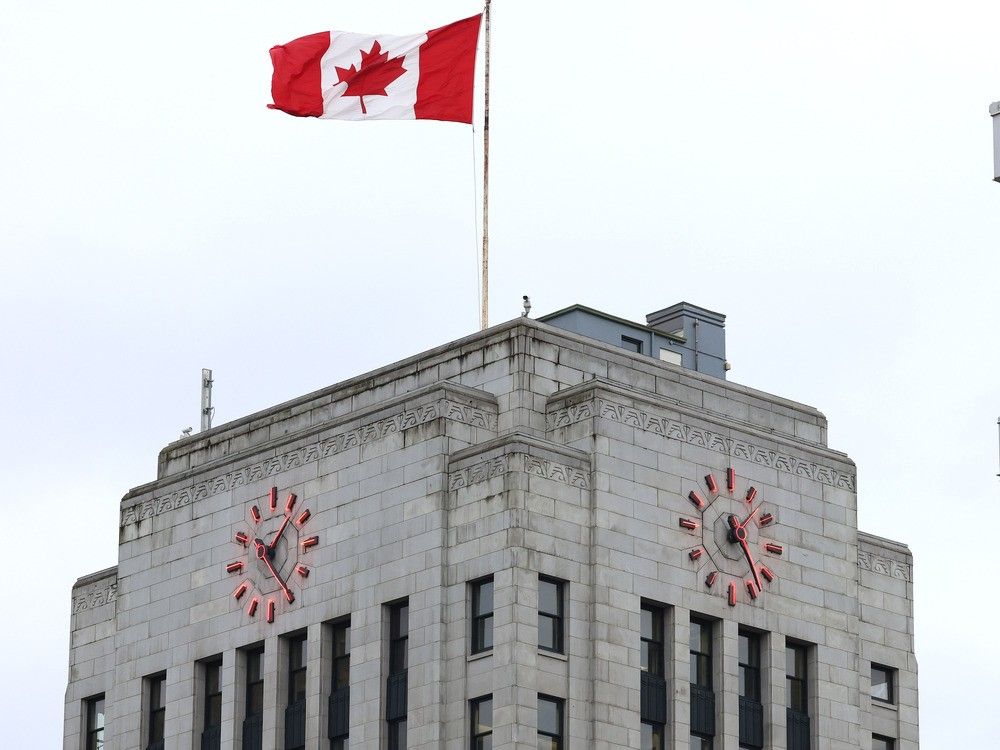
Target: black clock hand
263,555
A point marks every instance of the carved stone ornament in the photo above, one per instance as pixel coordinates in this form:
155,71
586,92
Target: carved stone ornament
366,433
674,430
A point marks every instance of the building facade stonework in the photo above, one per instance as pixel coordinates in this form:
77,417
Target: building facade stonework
541,461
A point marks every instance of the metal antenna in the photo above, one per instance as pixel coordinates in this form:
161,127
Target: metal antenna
207,412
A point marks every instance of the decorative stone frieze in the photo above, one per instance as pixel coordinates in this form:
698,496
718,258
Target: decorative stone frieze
362,435
673,429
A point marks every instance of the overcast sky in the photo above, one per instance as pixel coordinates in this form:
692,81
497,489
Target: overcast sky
820,173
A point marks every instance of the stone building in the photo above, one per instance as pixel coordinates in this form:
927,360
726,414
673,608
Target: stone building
527,538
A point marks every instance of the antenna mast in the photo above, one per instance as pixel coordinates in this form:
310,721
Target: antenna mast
207,412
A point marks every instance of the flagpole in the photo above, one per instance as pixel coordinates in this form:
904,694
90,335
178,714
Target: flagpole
485,313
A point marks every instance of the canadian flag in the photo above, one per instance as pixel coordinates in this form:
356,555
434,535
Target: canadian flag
348,76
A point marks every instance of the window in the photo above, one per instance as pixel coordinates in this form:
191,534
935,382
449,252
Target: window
253,720
482,616
296,669
482,723
882,743
750,666
651,630
882,684
211,735
340,688
797,696
701,653
550,615
399,626
550,723
399,631
95,722
653,696
156,711
702,695
751,710
795,672
295,710
633,345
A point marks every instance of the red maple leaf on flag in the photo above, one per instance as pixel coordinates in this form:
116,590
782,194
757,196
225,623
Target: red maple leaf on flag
376,72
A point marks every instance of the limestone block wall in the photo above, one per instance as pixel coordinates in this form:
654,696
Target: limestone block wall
91,648
886,602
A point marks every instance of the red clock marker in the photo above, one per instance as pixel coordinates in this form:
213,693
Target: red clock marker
752,589
731,479
252,609
235,567
698,500
290,502
241,590
273,499
242,538
776,549
751,495
687,523
310,541
303,517
710,483
270,610
766,519
302,570
712,578
732,594
767,573
695,553
255,512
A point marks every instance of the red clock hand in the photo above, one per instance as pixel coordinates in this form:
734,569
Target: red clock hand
280,532
739,534
262,555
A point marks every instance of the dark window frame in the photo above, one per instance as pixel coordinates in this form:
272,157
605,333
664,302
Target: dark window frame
475,712
340,682
560,731
749,670
705,742
557,618
888,743
703,677
792,676
652,649
341,651
890,683
297,659
631,344
94,712
481,620
254,657
399,639
397,734
253,693
156,710
210,679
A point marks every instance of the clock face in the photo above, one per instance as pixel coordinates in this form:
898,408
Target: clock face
273,546
733,524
